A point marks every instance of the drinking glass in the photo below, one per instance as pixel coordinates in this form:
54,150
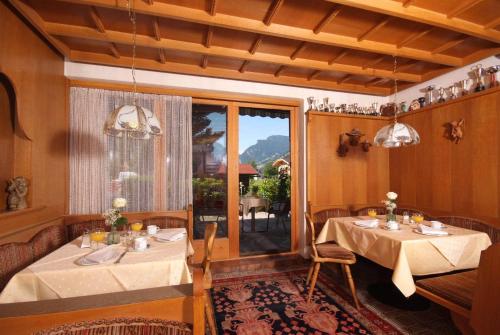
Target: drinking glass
97,236
406,218
372,213
417,218
136,227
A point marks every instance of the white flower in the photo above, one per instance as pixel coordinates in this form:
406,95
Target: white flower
392,195
119,202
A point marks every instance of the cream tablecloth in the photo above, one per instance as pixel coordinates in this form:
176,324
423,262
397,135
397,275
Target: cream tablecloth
407,252
58,276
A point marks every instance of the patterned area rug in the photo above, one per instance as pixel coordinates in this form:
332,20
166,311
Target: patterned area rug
275,304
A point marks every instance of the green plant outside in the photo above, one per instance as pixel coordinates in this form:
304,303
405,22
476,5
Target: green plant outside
269,188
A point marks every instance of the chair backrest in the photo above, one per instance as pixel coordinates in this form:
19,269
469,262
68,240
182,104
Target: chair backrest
473,224
210,230
311,235
485,314
77,229
166,222
172,310
319,218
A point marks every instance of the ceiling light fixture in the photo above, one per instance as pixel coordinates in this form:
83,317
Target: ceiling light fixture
396,134
132,120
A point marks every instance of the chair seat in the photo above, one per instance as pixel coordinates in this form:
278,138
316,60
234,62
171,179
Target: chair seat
457,288
332,250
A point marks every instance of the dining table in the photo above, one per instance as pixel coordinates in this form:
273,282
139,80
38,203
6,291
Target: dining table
250,204
61,274
406,250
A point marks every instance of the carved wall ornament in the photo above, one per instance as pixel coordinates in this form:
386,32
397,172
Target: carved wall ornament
343,148
455,130
17,188
354,136
365,145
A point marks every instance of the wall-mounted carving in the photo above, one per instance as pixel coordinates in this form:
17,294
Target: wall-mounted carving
17,188
7,86
454,130
354,137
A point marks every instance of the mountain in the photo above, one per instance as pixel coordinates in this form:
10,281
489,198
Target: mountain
264,151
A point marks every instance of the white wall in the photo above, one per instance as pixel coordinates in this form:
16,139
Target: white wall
445,80
150,78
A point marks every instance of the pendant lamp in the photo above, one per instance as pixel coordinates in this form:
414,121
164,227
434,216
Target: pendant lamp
396,134
132,120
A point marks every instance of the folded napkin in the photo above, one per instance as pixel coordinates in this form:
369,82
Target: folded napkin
367,223
173,234
430,231
102,255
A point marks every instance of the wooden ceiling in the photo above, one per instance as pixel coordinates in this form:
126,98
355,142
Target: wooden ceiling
344,45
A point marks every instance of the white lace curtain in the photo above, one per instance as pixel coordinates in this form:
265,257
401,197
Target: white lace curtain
153,175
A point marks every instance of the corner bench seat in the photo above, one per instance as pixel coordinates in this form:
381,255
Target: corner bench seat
457,288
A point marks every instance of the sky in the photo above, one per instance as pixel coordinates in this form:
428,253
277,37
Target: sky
253,128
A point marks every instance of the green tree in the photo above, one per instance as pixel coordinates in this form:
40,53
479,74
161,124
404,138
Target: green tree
269,170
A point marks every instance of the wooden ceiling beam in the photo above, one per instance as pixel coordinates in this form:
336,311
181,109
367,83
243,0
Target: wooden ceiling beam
493,23
344,79
338,57
462,7
96,19
449,45
255,44
423,15
213,7
204,62
149,64
327,19
208,37
407,3
413,37
298,50
373,29
163,58
375,81
148,42
156,29
374,62
314,75
278,72
273,10
188,14
407,65
36,20
244,66
114,50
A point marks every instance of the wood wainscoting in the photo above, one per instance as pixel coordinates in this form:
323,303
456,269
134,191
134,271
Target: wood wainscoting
444,178
359,177
36,72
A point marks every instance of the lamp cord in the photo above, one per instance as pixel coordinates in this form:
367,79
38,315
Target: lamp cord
395,89
133,19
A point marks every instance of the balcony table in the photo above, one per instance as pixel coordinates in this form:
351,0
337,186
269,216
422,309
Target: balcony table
250,205
57,275
406,252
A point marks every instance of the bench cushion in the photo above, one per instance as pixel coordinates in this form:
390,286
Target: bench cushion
48,240
332,250
13,258
457,288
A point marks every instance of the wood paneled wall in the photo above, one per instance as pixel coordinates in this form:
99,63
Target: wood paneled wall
359,178
40,148
441,177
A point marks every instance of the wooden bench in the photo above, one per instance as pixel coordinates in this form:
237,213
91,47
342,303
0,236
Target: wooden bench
472,297
172,310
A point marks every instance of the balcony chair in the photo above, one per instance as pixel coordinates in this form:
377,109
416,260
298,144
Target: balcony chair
280,210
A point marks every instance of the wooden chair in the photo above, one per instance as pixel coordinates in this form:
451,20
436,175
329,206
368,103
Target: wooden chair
164,222
320,217
328,253
210,231
471,296
473,224
176,310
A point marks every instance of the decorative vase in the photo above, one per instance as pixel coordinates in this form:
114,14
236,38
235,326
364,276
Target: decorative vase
113,236
390,216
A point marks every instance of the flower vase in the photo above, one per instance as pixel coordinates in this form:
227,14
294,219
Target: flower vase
390,216
113,236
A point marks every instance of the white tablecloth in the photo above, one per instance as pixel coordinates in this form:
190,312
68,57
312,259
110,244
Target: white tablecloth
59,276
407,252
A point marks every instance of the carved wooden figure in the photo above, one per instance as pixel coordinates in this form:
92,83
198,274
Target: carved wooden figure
454,130
343,148
354,136
365,145
17,189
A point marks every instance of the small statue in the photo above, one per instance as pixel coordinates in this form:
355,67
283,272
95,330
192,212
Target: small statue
17,189
343,148
454,130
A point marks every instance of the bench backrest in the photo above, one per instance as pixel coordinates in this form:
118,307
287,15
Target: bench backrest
473,224
173,309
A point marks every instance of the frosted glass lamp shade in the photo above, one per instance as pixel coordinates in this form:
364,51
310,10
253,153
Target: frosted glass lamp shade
135,121
396,135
